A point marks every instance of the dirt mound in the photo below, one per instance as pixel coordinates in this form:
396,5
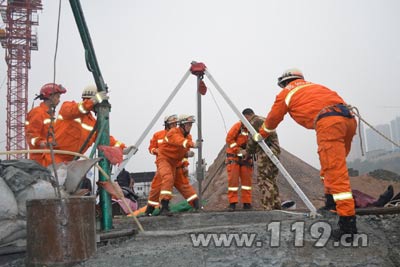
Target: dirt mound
307,177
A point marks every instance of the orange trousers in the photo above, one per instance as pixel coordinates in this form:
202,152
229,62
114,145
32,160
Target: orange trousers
245,173
166,168
181,183
334,136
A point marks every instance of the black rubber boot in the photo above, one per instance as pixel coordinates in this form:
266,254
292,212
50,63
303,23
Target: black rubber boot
347,226
329,202
196,205
149,210
385,197
164,211
247,206
232,207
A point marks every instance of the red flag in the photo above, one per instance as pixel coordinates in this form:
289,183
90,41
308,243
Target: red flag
112,153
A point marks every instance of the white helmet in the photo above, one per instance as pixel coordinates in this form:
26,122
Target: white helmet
290,74
170,119
184,118
89,91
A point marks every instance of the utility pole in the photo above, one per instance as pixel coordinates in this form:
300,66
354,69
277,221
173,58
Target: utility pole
102,109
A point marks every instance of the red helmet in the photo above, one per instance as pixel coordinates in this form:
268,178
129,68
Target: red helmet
51,88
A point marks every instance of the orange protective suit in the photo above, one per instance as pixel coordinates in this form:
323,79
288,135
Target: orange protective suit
316,107
181,181
36,129
170,153
74,124
238,166
155,187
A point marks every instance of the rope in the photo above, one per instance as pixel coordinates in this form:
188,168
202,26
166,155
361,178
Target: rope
357,114
219,110
57,37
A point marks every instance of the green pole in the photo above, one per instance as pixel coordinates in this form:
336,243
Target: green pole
102,109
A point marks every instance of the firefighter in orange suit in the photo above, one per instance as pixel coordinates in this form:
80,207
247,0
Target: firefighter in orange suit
38,121
75,122
181,181
157,139
171,152
316,107
238,165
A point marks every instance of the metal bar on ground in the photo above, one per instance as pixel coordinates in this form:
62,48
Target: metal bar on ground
266,149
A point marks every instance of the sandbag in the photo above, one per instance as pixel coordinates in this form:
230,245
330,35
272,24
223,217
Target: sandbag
8,203
36,170
11,230
17,179
39,190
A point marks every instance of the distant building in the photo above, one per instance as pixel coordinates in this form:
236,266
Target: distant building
395,131
355,152
377,142
142,183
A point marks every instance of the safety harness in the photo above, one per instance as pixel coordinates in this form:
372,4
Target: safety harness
334,110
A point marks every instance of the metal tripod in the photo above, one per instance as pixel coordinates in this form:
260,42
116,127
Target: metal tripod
200,162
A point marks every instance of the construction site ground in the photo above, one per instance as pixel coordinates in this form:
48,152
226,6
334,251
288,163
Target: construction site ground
167,241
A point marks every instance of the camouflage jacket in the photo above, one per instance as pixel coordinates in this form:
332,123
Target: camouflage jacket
272,140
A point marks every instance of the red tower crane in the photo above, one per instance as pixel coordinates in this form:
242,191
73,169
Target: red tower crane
19,17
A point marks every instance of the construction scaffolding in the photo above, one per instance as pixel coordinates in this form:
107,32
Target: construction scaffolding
19,17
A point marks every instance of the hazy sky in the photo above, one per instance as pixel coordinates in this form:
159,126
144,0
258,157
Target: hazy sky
145,47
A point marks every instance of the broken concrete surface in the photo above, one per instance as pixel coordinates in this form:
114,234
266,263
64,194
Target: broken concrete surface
167,242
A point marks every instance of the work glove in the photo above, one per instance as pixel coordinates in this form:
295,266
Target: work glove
197,144
190,154
99,97
128,149
257,137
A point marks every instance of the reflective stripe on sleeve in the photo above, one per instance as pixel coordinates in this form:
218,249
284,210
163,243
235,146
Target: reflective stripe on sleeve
160,141
46,121
233,145
165,192
84,125
33,140
185,143
266,129
82,109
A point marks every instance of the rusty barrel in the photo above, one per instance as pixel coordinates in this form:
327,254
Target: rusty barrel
60,232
